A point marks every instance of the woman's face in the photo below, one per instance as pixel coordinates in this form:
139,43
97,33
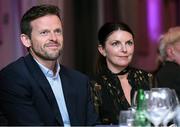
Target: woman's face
118,50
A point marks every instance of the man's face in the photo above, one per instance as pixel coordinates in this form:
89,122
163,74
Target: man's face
176,48
46,38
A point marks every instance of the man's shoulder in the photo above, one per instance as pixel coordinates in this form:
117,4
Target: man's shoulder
72,72
169,67
15,65
13,72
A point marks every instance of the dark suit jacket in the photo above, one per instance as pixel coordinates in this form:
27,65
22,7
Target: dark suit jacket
26,97
168,75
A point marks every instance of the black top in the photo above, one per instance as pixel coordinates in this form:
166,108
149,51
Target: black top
169,76
108,95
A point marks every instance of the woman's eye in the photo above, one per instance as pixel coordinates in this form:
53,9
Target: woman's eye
115,43
130,42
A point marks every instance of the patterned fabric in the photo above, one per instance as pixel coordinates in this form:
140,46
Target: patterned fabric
108,96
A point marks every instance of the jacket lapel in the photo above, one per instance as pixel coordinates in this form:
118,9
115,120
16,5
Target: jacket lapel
69,94
44,84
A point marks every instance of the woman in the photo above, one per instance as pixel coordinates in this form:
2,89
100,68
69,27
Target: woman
116,81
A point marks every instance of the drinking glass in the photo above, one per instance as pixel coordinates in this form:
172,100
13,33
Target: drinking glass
158,105
134,99
174,102
134,102
126,118
176,119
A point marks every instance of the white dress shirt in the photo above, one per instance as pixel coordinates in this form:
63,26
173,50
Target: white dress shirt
56,85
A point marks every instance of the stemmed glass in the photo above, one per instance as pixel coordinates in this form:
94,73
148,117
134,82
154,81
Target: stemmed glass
158,105
134,102
126,118
174,102
134,99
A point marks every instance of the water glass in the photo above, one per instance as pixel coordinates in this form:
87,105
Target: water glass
126,118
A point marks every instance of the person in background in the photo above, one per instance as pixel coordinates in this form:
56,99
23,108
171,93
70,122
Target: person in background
168,74
36,89
116,81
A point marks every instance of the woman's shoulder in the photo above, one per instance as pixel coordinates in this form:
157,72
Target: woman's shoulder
139,71
142,77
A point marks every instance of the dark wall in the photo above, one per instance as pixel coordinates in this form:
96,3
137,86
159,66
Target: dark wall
178,12
85,33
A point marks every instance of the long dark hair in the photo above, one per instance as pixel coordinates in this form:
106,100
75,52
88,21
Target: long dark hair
104,32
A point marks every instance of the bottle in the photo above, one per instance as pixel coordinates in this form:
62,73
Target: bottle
140,118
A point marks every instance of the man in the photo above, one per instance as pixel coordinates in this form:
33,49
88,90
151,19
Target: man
168,75
36,89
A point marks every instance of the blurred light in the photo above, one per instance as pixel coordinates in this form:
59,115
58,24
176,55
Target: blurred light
154,19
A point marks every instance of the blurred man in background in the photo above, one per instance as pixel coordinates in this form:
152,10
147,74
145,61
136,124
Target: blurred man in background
168,75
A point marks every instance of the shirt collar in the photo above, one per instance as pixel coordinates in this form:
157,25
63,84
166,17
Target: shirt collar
47,71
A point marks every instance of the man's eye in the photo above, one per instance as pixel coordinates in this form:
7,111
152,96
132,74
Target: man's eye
44,33
59,31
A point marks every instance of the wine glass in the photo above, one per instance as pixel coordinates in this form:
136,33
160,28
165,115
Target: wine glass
177,116
174,102
134,99
126,118
158,105
134,102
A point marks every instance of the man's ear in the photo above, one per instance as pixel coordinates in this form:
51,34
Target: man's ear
102,50
25,40
170,51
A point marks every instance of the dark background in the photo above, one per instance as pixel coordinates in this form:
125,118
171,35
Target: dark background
82,19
